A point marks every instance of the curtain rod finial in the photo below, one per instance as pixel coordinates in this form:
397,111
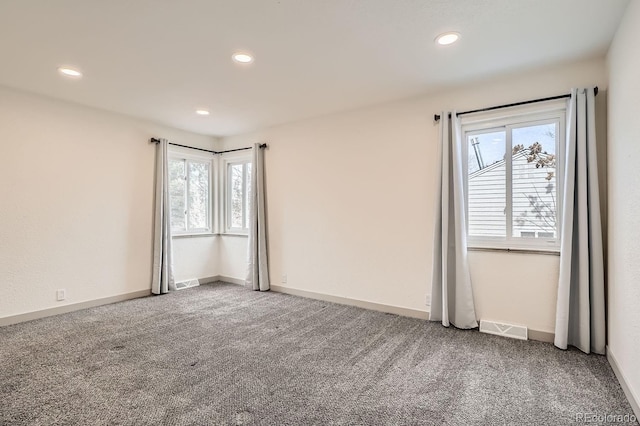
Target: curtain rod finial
436,117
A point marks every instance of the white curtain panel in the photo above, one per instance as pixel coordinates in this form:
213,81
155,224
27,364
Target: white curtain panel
580,313
451,291
162,256
258,267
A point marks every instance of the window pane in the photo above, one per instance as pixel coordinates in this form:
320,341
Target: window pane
487,184
248,198
534,181
198,212
177,194
235,191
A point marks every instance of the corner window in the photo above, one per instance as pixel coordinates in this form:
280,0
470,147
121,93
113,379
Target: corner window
513,182
190,191
237,194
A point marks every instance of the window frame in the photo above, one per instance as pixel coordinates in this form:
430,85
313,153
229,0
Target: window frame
209,160
227,161
507,121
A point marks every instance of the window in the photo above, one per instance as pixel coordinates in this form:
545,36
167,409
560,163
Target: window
209,194
237,195
190,192
513,180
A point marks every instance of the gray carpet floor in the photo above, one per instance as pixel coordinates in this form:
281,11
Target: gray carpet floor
223,355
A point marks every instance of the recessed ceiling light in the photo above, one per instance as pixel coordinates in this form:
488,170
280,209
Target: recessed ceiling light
447,38
69,72
202,112
242,58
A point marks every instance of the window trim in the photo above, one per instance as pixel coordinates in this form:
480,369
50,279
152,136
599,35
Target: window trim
507,121
189,156
228,160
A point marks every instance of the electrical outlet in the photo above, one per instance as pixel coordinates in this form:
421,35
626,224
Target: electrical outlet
284,278
61,294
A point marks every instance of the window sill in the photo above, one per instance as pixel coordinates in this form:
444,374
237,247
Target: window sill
202,234
210,234
528,250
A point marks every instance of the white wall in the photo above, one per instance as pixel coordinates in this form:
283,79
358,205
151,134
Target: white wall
624,199
350,199
76,203
351,203
232,256
195,257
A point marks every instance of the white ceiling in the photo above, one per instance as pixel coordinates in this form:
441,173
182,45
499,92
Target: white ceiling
162,59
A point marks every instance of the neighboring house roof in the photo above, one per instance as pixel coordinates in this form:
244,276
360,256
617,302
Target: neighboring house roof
521,154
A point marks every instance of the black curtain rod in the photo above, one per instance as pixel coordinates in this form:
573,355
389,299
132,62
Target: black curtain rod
436,117
262,145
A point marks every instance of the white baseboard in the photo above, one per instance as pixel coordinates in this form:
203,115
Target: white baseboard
541,336
209,280
217,278
14,319
407,312
634,400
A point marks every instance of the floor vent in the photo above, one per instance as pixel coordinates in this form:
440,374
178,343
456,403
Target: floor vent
181,285
506,330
